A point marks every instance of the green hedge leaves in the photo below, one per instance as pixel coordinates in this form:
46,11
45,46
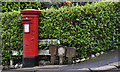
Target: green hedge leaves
18,6
12,35
91,28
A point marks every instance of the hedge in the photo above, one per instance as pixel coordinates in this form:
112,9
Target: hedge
17,6
12,35
90,28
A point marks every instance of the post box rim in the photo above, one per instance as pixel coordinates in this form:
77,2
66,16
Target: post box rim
30,11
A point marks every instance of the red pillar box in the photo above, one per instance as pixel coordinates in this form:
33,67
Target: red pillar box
30,37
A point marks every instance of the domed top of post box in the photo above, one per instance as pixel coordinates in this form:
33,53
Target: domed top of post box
30,12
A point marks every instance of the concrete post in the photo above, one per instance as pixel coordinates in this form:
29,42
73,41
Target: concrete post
53,52
61,54
70,53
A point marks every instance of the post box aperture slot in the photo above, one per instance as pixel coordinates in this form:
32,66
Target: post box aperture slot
27,22
26,19
26,28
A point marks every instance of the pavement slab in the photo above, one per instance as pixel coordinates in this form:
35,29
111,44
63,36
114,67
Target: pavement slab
62,71
107,67
115,64
84,69
38,67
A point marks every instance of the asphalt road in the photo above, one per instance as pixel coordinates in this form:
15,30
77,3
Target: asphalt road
105,59
102,60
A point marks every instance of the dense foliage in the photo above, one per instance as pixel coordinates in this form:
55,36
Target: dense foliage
11,35
17,6
90,28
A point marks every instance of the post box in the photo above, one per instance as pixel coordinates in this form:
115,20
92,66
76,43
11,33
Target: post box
30,37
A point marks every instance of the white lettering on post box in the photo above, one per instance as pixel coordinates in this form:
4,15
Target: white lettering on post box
26,27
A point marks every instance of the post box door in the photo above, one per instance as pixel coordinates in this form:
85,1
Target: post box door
29,36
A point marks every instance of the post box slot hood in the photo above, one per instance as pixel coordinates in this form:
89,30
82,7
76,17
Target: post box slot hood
29,20
24,19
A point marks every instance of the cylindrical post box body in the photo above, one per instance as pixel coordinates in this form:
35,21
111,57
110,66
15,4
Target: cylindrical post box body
30,36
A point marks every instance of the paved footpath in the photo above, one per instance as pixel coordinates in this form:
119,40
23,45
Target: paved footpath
108,62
